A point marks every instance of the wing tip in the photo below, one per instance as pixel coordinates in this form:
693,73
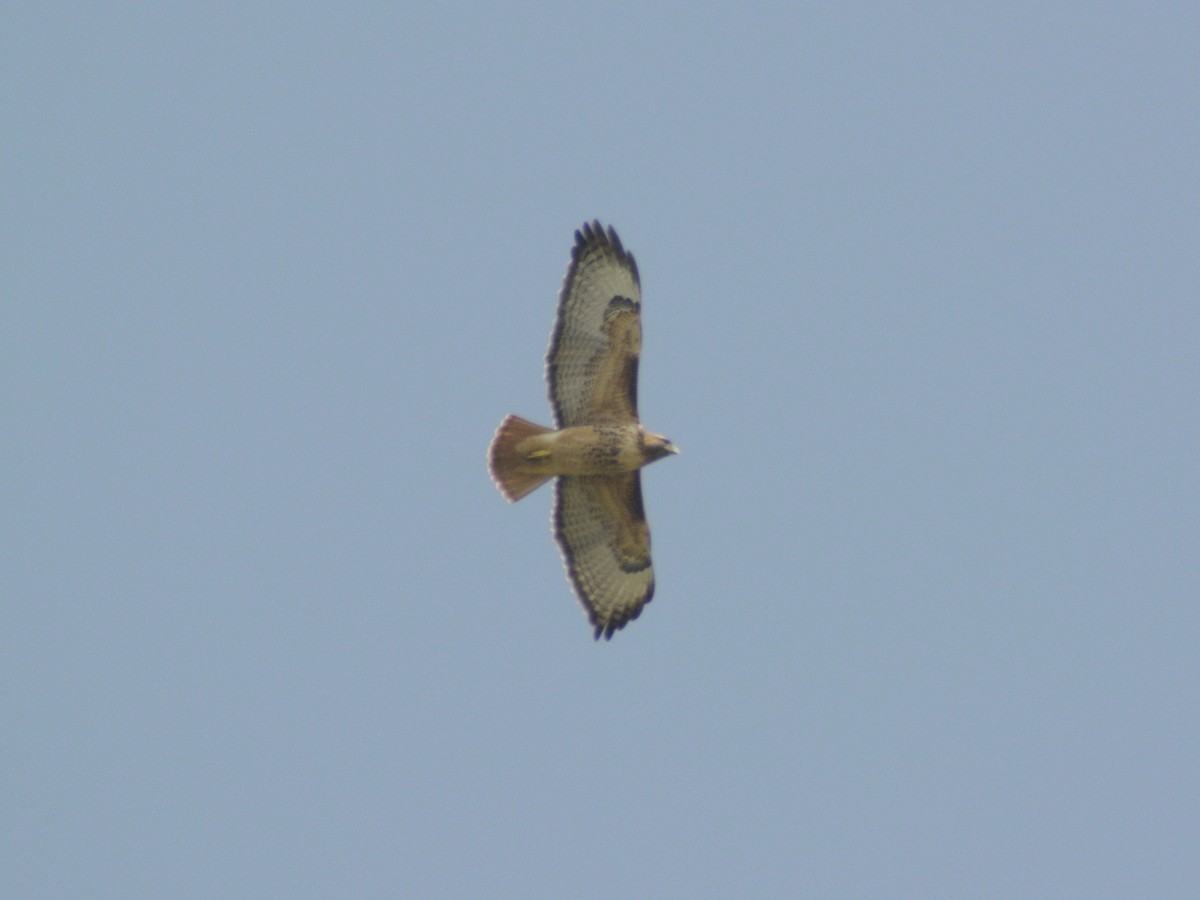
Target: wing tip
612,626
594,234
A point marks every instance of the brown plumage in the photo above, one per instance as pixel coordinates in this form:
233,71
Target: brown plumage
600,445
509,461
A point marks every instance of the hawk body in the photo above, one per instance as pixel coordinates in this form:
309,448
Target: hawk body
592,368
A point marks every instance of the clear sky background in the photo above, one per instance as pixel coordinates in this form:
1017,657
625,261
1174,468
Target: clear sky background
921,308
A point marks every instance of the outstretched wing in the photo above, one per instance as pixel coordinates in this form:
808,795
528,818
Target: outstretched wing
593,360
601,528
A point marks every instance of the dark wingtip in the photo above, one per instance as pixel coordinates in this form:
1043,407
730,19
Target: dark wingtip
605,629
593,234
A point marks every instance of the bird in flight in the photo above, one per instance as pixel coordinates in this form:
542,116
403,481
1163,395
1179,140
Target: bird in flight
598,444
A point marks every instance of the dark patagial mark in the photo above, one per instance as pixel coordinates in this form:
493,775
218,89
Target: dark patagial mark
619,304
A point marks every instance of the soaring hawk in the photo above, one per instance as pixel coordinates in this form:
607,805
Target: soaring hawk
599,444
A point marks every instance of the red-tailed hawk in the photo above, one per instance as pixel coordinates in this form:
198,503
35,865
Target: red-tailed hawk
599,444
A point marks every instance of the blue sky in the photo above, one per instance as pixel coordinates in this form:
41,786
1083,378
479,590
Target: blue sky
920,308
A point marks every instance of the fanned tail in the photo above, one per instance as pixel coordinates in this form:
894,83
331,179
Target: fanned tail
507,466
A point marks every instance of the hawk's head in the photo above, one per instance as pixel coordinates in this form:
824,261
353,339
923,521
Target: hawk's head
655,446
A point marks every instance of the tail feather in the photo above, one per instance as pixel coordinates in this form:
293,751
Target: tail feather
508,467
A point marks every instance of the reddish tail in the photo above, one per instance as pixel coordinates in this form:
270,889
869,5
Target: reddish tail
507,466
